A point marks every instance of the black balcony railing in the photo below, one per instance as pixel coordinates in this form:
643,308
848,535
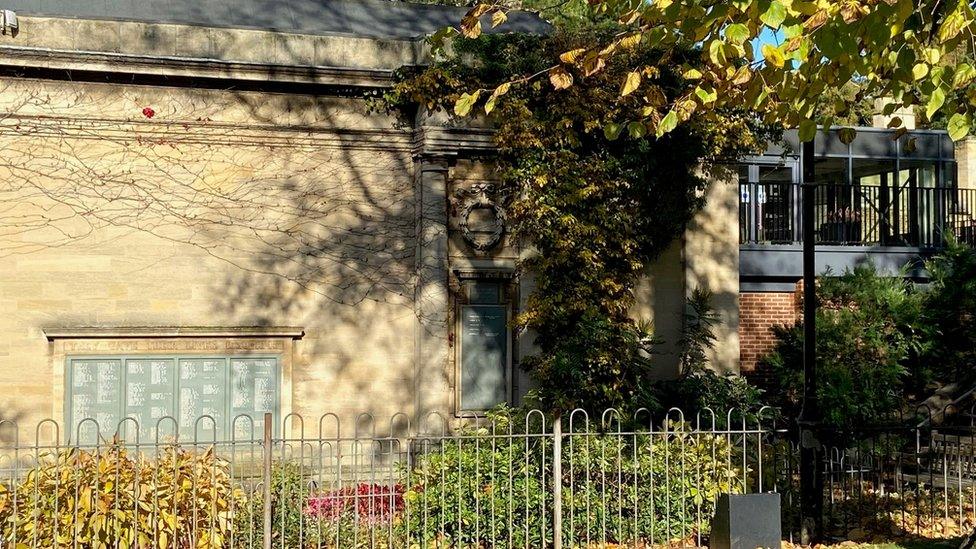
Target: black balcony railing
858,215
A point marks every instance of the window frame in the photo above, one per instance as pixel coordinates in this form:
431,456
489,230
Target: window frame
71,428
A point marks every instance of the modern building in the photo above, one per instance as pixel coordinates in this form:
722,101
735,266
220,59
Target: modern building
885,198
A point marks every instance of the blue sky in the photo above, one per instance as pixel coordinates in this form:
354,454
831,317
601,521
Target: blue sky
766,36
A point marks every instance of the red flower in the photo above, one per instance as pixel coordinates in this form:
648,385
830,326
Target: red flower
148,112
370,503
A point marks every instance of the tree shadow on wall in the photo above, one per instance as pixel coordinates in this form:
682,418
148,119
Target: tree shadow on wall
301,207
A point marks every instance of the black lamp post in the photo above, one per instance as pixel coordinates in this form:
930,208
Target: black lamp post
811,462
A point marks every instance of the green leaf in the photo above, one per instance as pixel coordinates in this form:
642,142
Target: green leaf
438,39
737,33
499,91
808,130
936,100
636,130
706,96
612,130
920,70
691,74
716,53
464,103
958,126
791,31
668,123
775,15
846,135
964,75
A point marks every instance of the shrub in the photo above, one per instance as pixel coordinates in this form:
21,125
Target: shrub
596,363
110,499
700,391
484,491
951,307
498,491
700,394
698,335
646,488
306,515
367,503
290,525
870,334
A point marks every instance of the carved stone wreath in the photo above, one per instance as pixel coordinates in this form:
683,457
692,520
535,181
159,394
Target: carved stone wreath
494,237
477,198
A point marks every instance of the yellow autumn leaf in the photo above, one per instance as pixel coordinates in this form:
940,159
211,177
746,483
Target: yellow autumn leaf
560,78
499,91
773,56
631,83
631,40
742,75
920,71
498,18
593,65
572,55
467,100
471,27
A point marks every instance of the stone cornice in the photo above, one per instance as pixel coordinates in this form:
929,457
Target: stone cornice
205,133
424,141
449,142
32,58
148,332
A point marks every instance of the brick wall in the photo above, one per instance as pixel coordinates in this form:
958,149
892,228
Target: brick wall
759,312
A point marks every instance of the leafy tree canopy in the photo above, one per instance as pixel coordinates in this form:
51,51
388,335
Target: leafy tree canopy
917,52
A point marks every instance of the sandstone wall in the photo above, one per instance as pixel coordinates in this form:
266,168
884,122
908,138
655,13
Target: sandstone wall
223,209
169,219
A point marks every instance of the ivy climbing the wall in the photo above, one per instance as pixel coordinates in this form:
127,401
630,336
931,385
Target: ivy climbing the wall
595,200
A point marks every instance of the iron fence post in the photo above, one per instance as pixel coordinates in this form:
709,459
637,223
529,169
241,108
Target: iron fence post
266,479
811,462
557,482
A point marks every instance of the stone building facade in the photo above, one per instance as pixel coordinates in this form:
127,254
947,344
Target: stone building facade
201,217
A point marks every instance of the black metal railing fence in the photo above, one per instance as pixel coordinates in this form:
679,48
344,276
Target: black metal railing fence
858,215
525,480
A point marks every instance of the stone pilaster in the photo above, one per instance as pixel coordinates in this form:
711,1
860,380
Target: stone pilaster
711,253
966,162
433,378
